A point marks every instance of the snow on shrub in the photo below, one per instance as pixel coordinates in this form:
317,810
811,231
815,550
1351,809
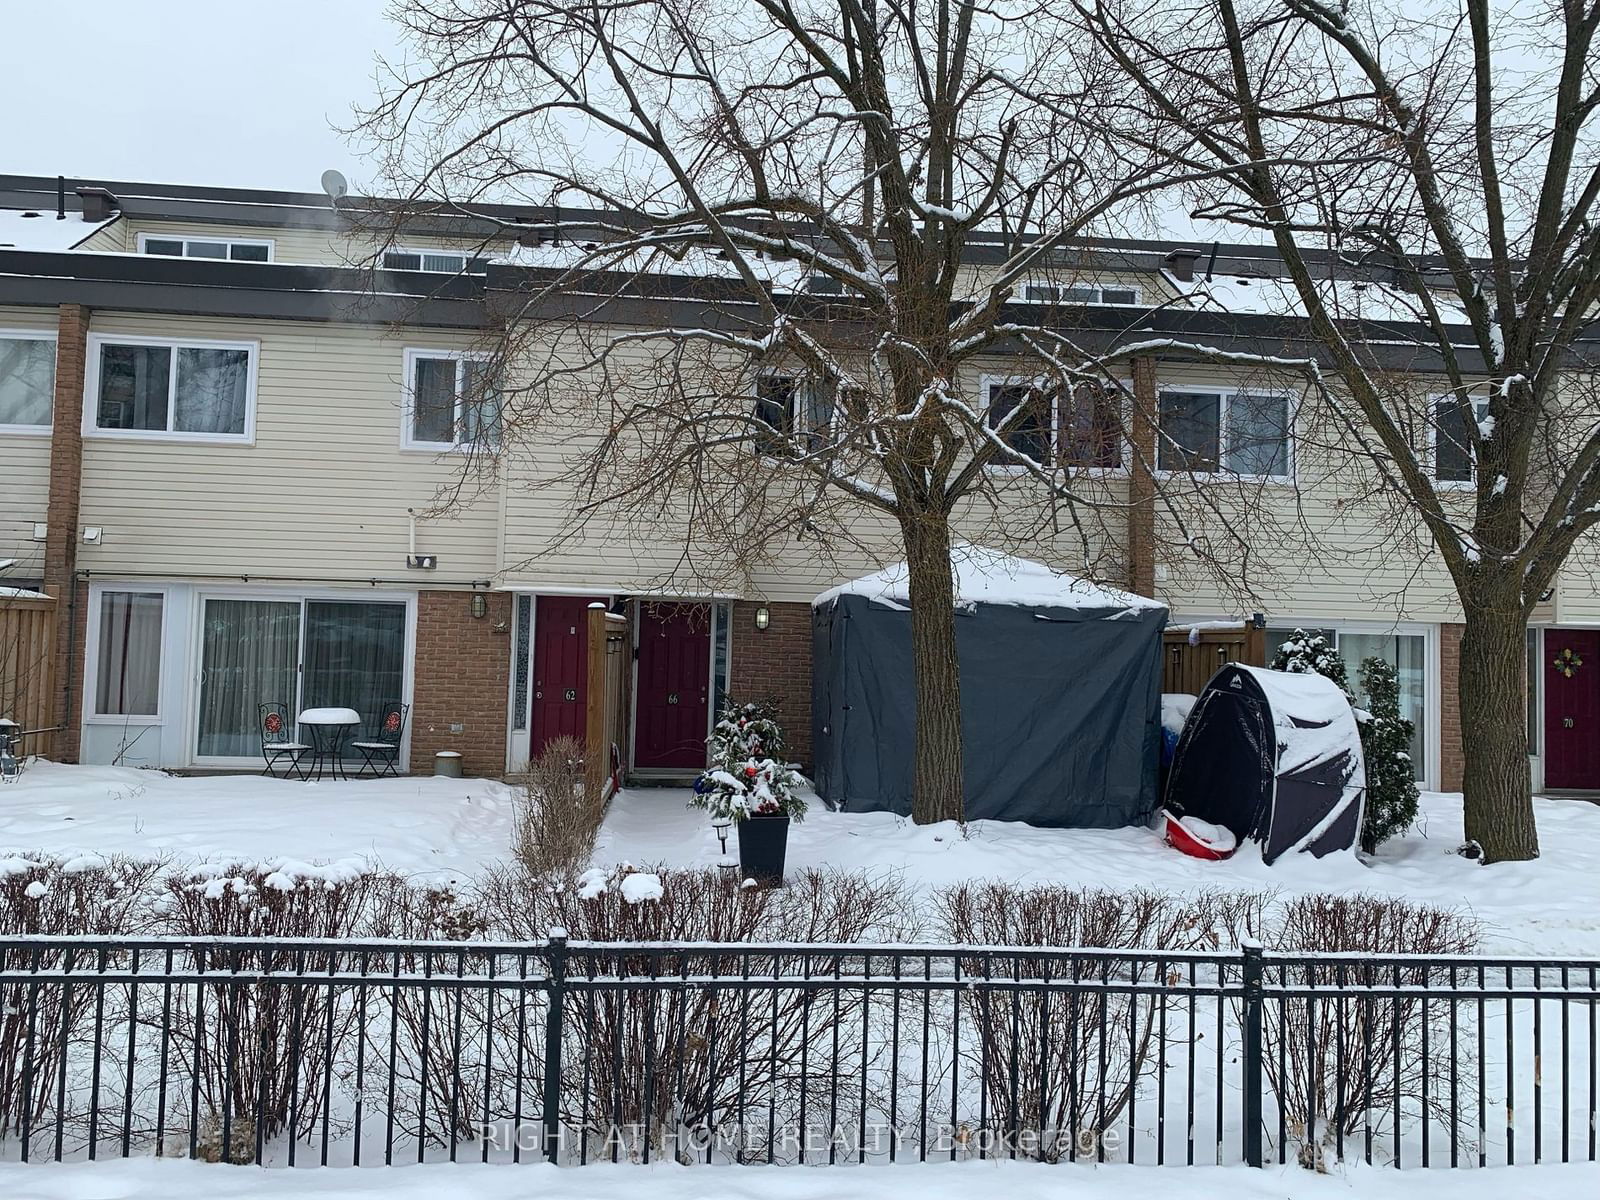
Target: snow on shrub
748,774
1391,805
1360,1060
1088,1079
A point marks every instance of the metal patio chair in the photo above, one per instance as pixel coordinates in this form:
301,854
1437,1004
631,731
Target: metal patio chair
277,744
380,755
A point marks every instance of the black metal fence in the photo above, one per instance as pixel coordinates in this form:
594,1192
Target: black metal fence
359,1052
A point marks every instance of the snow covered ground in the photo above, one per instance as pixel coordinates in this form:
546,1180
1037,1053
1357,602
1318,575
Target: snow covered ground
1548,906
453,829
153,1179
434,828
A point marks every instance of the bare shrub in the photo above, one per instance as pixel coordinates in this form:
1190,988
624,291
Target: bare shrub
265,1047
41,1021
668,1060
1059,1067
1341,1060
558,820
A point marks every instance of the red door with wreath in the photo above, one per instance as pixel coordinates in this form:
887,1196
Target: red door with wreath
1571,666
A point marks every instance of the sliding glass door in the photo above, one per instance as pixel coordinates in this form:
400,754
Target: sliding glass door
249,655
298,653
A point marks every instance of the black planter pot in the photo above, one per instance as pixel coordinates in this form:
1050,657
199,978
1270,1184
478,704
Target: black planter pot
763,842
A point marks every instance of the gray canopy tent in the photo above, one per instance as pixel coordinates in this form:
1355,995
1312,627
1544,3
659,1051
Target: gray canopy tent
1060,694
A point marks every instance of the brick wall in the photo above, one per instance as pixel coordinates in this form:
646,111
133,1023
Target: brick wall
1451,765
775,663
462,678
61,537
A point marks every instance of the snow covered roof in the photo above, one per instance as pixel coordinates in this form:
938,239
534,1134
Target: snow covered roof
19,593
36,229
985,576
1347,298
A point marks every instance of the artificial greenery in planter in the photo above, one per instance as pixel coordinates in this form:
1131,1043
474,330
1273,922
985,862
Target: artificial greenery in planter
749,782
1391,800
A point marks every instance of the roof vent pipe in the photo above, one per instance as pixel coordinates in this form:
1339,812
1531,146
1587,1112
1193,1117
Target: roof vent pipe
1181,262
61,197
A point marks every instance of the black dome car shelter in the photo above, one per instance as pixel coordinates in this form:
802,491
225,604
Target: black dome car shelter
1274,756
1060,691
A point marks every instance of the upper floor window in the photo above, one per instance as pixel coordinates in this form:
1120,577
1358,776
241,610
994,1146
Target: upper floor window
234,249
824,285
170,388
790,404
1079,293
1452,440
445,261
451,401
1075,427
1243,433
27,380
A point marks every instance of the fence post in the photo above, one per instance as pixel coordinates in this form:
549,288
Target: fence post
557,950
1252,1052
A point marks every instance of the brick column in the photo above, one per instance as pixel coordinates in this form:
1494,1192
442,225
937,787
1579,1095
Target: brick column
775,664
61,538
462,678
1452,765
1141,549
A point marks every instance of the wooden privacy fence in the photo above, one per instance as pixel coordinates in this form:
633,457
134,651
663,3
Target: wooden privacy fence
27,666
606,702
1191,654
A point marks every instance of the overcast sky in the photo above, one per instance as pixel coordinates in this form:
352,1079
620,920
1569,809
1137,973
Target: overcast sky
186,91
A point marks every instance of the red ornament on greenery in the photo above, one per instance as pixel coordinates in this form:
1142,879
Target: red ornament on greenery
750,771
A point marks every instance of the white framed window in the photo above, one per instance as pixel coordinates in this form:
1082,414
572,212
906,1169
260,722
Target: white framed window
791,403
123,677
194,246
1451,440
176,389
27,380
1042,292
448,262
1223,432
1080,427
451,402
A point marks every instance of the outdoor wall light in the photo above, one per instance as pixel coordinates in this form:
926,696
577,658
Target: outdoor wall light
763,617
480,605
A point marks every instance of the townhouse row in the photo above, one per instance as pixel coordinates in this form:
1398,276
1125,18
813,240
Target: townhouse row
226,454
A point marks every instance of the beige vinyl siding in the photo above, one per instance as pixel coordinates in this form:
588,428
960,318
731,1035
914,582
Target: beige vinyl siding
295,245
112,237
322,492
24,469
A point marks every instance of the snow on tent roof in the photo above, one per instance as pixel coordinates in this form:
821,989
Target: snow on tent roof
985,576
1313,717
41,231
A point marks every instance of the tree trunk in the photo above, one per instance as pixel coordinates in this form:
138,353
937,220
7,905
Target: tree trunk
1494,734
936,794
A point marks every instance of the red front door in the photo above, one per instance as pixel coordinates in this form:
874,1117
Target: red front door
1571,666
560,669
674,686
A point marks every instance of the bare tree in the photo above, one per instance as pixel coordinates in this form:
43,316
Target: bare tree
768,307
1452,147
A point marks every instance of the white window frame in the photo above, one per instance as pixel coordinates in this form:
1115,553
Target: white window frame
408,403
421,252
187,238
33,335
1099,290
91,389
91,656
1225,396
1480,410
988,383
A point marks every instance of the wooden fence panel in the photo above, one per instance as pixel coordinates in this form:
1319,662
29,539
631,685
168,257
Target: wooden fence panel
1191,655
27,667
610,645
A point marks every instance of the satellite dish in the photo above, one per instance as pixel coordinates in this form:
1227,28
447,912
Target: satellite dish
335,185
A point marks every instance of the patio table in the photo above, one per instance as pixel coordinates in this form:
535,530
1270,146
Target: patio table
329,727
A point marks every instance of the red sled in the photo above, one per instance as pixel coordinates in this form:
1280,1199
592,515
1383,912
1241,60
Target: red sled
1180,837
